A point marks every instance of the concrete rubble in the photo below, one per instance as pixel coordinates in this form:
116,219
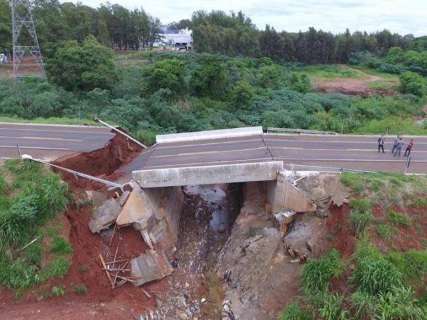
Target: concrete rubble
155,213
105,215
150,266
324,189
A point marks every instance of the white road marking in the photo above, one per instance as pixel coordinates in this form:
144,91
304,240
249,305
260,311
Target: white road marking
337,149
42,139
342,142
349,160
207,152
77,131
35,148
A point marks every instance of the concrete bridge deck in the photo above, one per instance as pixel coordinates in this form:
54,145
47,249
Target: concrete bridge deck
228,155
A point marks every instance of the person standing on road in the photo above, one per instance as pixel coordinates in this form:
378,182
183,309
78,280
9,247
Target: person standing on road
409,148
398,151
381,143
395,144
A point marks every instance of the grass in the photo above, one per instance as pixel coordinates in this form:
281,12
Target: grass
317,273
52,120
399,219
80,289
333,71
58,291
385,231
31,196
295,312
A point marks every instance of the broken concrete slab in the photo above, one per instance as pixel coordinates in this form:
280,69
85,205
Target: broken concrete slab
150,266
105,215
155,213
283,195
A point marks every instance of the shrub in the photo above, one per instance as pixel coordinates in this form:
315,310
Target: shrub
80,289
384,231
60,246
412,83
317,273
399,303
58,291
399,219
353,181
360,205
58,268
364,305
332,308
374,274
360,220
294,312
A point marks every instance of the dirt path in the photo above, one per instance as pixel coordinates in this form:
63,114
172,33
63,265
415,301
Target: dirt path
348,86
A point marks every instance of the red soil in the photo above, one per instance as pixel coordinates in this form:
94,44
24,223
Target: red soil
404,238
126,302
339,227
101,163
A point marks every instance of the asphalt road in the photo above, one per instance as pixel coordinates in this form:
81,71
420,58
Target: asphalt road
343,151
304,151
49,142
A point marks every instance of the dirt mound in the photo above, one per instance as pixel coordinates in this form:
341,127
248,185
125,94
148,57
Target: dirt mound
101,163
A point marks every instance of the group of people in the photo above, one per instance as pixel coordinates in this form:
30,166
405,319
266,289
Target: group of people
398,145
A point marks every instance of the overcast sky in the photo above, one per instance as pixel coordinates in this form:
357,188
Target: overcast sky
403,16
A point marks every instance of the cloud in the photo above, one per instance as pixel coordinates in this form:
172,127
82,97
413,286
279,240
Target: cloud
403,16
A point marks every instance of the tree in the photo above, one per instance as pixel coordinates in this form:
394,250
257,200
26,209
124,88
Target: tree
83,66
165,74
413,83
210,77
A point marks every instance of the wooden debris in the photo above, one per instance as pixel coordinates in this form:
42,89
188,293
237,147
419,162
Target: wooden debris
106,271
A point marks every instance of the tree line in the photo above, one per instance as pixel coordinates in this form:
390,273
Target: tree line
113,25
235,34
231,34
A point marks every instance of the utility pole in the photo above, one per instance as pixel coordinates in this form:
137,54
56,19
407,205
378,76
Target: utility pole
27,57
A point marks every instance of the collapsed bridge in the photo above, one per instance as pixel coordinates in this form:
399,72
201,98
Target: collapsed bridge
247,154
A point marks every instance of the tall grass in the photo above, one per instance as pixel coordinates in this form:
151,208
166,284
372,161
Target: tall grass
317,273
32,196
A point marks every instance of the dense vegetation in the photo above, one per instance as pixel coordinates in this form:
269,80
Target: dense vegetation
31,249
378,281
240,76
148,92
214,32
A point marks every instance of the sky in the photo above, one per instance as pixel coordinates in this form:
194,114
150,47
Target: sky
402,16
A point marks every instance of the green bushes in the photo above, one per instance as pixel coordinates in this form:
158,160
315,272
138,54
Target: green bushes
399,219
170,92
374,274
82,67
294,312
32,197
317,273
412,83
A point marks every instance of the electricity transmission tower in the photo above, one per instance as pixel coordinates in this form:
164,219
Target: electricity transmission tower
27,57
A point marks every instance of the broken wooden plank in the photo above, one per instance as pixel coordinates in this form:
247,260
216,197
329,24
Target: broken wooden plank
106,272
